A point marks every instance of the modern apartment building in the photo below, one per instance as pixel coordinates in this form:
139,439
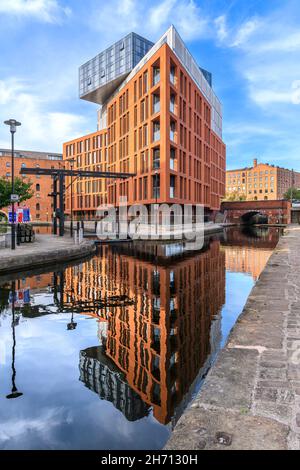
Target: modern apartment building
262,181
159,118
40,204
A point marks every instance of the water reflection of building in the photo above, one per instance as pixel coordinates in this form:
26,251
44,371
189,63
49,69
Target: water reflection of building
159,336
248,250
246,260
256,237
101,375
25,290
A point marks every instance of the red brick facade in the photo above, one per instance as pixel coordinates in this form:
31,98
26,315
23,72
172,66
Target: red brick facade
276,211
40,204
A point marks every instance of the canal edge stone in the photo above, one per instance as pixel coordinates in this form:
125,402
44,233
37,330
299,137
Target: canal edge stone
265,406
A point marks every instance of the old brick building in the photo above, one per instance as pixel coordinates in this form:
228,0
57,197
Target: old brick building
40,204
260,182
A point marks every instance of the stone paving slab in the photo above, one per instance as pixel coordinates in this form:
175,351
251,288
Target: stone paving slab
231,384
251,396
217,429
47,249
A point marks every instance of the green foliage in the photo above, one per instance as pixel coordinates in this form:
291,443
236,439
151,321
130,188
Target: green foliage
22,188
292,193
235,196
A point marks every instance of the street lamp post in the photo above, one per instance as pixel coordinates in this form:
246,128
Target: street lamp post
71,161
14,391
13,124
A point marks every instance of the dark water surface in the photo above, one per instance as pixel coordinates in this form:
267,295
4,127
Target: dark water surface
106,354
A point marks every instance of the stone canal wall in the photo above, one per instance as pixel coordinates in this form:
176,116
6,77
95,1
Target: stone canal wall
251,396
46,250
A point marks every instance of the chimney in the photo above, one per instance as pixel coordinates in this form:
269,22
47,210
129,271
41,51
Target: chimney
255,162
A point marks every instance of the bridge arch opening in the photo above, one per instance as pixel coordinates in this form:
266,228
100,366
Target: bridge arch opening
254,217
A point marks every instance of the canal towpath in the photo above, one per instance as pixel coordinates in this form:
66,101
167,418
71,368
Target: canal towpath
45,250
251,396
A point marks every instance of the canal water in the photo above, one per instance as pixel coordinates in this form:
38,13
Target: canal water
107,353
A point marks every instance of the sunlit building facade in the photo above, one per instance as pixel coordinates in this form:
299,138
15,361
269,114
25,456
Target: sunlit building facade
260,182
40,205
159,119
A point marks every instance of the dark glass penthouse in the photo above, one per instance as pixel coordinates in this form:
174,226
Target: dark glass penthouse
100,76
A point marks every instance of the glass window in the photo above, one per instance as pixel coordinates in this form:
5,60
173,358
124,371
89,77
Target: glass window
172,130
172,185
172,104
172,158
156,186
156,75
156,103
156,158
156,131
172,74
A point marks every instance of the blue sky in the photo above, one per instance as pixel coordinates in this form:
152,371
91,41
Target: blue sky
252,47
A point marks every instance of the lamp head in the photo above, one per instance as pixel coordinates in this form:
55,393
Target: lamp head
13,124
14,394
71,326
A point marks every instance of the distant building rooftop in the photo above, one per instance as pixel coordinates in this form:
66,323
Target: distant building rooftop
31,154
248,168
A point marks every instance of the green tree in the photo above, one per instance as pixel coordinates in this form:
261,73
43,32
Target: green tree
235,196
292,193
22,188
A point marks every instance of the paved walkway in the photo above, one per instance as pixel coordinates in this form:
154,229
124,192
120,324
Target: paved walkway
251,396
46,249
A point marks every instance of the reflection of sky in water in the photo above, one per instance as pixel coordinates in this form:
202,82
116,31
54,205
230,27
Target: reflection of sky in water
57,411
238,287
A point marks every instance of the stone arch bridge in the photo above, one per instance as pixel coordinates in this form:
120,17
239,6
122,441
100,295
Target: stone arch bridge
243,212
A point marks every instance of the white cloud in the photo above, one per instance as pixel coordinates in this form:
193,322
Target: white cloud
221,27
48,11
150,19
245,32
42,128
159,14
42,426
268,57
235,37
265,97
190,20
